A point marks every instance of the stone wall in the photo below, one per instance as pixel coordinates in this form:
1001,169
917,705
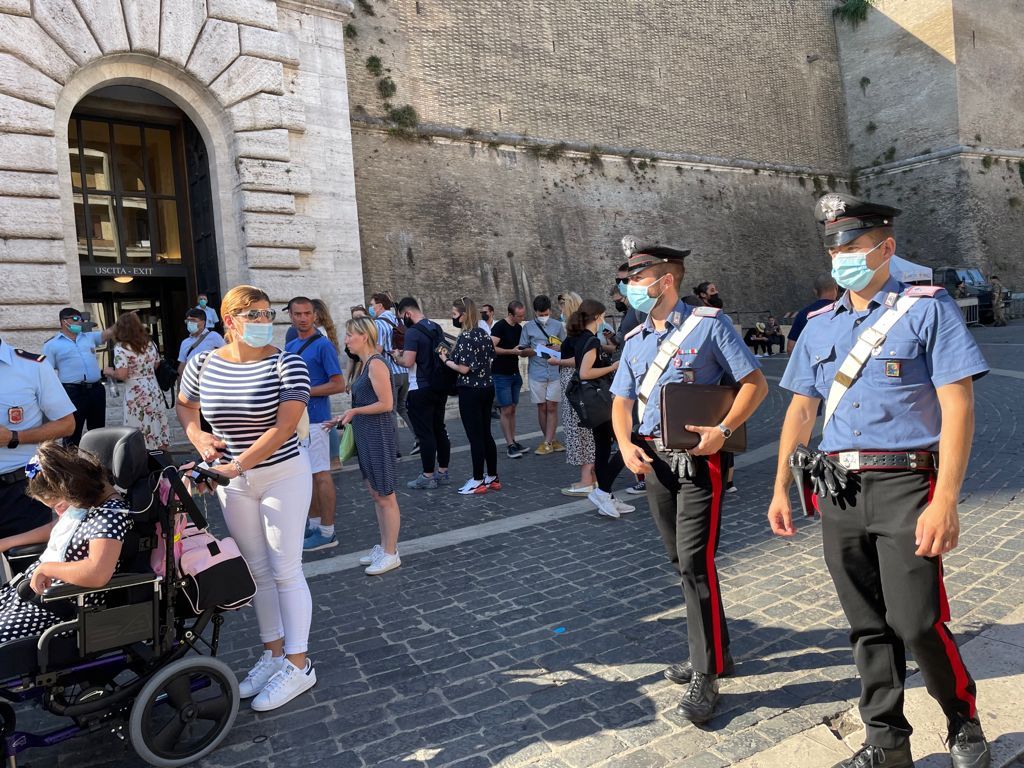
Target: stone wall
265,84
440,218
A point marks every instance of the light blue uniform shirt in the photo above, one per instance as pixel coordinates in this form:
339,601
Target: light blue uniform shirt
892,405
213,340
33,387
211,315
534,334
708,352
74,360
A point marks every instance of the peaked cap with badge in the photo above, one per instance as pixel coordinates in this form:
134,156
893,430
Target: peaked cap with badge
641,255
847,217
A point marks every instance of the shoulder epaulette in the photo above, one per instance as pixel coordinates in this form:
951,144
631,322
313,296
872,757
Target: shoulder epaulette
931,291
706,311
633,332
823,310
29,356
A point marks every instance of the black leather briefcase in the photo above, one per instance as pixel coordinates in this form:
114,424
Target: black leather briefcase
702,405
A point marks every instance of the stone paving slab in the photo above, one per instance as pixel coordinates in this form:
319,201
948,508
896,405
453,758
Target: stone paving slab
544,645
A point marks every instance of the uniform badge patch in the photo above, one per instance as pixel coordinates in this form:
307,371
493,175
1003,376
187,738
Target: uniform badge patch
16,414
689,376
892,368
832,206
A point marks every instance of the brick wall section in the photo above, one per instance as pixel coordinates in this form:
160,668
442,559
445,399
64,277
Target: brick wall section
438,219
728,79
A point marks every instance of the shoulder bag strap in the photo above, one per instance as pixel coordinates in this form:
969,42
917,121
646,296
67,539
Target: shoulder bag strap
665,351
196,343
869,340
309,341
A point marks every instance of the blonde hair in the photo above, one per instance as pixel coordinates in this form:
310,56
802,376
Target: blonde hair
570,303
470,314
323,317
237,300
363,326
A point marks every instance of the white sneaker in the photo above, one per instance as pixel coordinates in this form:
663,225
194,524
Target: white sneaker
287,683
473,487
604,503
367,559
622,507
266,667
383,563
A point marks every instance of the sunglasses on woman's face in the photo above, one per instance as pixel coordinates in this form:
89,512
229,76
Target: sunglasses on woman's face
255,315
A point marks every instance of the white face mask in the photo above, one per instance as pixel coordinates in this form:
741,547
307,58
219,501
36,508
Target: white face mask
543,319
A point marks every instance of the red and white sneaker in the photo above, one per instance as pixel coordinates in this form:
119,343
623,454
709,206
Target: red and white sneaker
492,482
473,487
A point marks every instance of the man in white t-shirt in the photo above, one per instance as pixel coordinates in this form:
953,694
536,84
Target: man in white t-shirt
200,338
486,317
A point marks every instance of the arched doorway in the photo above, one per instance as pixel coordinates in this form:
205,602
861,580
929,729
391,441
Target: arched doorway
140,182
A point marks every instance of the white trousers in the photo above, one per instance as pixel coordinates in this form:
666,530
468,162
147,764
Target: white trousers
266,516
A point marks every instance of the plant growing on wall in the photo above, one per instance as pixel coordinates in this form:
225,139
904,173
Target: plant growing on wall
853,12
374,66
386,87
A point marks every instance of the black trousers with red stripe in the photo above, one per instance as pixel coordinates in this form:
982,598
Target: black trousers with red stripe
894,600
688,514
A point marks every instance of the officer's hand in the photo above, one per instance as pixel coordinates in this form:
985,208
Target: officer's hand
780,515
636,460
711,440
938,529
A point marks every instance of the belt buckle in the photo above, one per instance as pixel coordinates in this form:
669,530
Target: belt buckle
850,460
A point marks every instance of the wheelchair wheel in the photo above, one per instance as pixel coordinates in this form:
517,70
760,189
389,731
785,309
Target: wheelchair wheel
184,711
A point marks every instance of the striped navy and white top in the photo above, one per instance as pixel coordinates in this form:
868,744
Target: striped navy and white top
240,399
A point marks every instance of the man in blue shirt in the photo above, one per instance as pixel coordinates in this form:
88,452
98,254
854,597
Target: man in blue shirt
211,313
827,291
72,353
893,456
325,379
34,408
542,371
684,493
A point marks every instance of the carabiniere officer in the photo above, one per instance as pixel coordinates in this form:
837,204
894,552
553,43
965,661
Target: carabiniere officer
901,437
684,493
34,408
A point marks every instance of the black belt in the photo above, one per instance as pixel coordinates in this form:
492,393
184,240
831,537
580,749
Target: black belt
12,477
858,461
84,384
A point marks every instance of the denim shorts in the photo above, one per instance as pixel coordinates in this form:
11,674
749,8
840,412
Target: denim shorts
506,389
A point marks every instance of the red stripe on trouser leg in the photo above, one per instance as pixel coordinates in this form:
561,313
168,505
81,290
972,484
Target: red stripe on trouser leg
715,470
956,663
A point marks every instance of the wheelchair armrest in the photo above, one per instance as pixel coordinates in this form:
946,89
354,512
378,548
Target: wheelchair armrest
119,581
28,550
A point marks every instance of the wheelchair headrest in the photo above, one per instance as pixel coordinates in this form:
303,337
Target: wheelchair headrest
122,450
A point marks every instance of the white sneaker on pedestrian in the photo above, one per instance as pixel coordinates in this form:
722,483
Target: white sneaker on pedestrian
622,507
578,490
473,487
604,503
267,665
287,683
383,563
367,559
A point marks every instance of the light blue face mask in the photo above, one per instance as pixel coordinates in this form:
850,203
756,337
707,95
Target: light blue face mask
372,310
639,299
258,334
192,326
851,271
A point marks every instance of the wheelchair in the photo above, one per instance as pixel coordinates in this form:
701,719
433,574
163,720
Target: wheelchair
143,661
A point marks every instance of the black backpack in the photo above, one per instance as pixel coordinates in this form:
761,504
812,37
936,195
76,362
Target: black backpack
438,376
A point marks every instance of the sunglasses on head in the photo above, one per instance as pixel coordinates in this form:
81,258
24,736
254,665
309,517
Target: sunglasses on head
254,315
73,318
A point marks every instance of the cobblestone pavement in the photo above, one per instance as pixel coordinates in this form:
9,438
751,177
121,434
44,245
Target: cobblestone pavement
544,646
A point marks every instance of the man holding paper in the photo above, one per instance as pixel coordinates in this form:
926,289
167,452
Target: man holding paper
681,344
540,341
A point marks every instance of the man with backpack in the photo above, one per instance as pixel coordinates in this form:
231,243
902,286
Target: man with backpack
430,383
325,379
391,336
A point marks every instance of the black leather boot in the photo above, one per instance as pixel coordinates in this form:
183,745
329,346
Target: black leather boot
681,673
967,745
698,704
870,756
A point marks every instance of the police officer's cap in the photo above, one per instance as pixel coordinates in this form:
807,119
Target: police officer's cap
640,255
847,217
69,312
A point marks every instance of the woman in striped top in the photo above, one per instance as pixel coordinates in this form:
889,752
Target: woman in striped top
253,395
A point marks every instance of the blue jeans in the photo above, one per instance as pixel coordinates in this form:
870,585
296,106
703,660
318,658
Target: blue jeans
506,389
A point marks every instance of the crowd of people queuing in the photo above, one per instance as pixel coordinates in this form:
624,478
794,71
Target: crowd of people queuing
261,417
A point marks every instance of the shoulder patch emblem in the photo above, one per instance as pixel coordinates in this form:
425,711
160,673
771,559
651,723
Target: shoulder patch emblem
633,333
29,356
930,291
823,310
707,311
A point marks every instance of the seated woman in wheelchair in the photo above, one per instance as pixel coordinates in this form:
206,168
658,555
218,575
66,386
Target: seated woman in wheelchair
82,546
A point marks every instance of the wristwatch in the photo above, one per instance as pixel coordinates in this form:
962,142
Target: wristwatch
15,440
725,431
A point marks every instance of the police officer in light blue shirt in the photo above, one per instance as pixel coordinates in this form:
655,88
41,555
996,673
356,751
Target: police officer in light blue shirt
889,469
684,493
211,313
72,354
34,408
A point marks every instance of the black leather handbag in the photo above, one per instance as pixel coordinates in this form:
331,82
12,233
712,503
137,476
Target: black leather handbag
592,401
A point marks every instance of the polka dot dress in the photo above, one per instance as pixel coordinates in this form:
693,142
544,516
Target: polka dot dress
25,619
